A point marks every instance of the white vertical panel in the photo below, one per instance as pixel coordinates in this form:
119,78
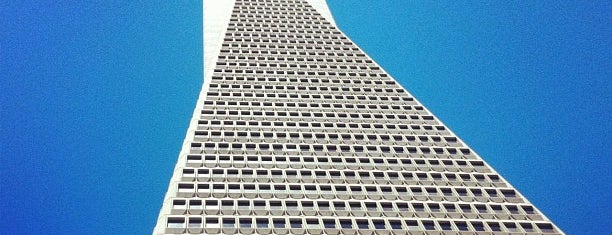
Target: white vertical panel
216,16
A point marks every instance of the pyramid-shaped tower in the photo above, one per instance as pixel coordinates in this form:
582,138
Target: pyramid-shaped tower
297,130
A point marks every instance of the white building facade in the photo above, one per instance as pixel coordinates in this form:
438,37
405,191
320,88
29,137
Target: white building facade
298,131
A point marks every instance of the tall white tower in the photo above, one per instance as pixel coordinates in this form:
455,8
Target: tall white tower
297,130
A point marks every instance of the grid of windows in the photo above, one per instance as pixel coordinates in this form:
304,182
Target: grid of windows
301,132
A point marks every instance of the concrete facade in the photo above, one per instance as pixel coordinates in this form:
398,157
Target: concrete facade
297,130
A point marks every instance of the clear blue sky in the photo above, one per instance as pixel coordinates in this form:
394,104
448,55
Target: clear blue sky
96,97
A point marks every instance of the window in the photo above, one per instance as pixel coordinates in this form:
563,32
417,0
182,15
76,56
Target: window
412,225
245,223
279,223
494,226
346,224
176,222
429,225
379,224
418,207
527,227
295,223
478,226
546,228
511,227
395,224
363,224
462,226
262,223
228,223
445,225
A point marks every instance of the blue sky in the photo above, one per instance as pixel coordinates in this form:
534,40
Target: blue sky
96,97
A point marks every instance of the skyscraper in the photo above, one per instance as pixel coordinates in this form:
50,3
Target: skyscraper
297,130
